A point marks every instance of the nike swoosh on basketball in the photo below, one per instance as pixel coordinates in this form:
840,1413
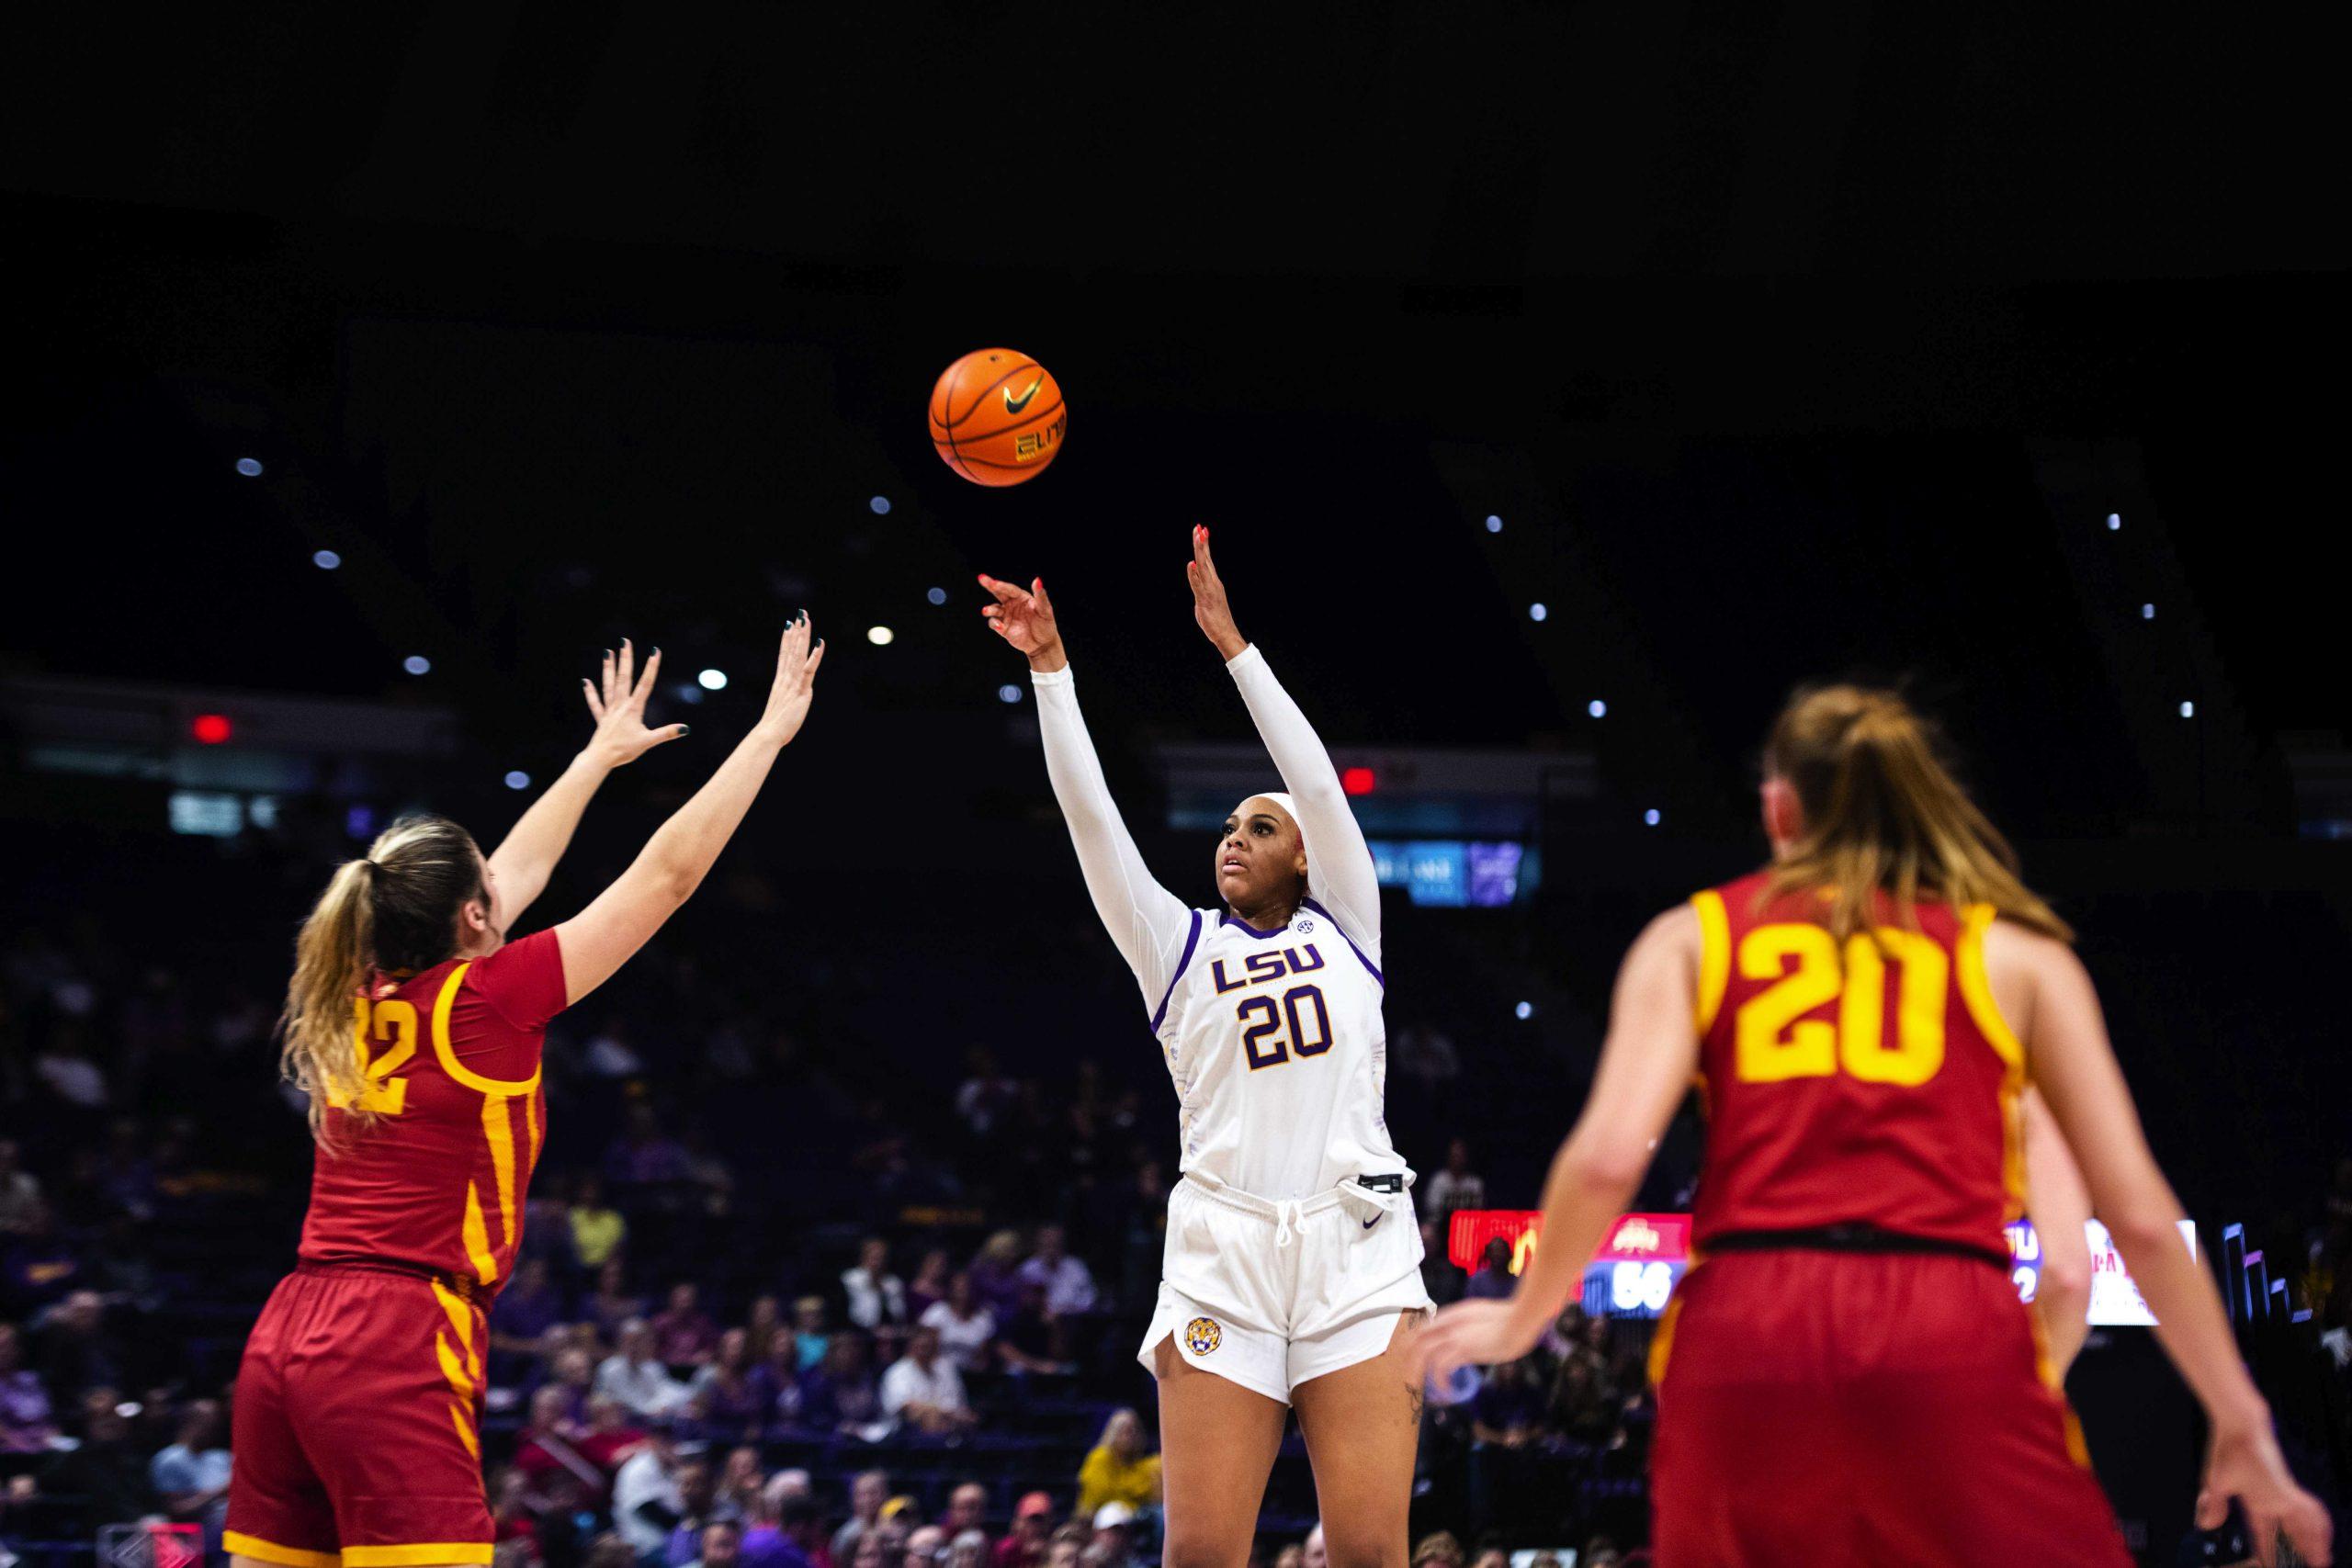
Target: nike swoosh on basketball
1014,404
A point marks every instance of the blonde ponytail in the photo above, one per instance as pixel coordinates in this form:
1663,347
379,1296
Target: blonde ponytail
321,1054
1883,813
396,910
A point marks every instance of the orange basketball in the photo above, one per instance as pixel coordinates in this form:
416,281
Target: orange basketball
997,417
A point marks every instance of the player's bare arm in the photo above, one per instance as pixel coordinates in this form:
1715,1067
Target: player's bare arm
1646,1065
2073,1061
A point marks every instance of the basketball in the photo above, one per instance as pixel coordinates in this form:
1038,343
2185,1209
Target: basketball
997,417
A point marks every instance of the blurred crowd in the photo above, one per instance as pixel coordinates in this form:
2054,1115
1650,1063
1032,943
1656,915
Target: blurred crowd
778,1304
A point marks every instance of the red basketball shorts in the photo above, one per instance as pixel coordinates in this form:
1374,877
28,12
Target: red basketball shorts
1855,1410
357,1439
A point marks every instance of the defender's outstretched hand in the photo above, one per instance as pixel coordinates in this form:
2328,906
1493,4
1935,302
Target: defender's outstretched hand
1474,1333
1209,607
1024,617
617,699
795,682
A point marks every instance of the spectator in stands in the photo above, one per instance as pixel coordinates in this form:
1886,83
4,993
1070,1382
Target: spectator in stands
839,1394
107,1472
643,1155
1113,1544
762,1322
646,1500
20,1195
1120,1468
923,1390
868,1490
613,1302
1491,1557
924,1548
986,1096
1508,1410
1440,1277
1033,1343
775,1380
995,1272
929,1284
1439,1551
962,1326
785,1532
191,1476
598,1234
968,1549
574,1369
877,1299
683,1335
38,1266
809,1323
698,1505
734,1402
968,1508
519,1320
723,1545
739,1481
1067,1546
1024,1547
714,1184
26,1425
613,1434
634,1377
510,1518
1494,1279
548,1445
1068,1283
1312,1551
1456,1187
75,1348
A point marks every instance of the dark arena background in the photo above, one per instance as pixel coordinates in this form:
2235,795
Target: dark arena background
1563,384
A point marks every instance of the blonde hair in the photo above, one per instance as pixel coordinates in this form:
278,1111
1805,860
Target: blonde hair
1883,813
394,910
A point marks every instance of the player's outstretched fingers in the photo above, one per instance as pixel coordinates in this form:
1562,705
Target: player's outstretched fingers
644,687
1005,592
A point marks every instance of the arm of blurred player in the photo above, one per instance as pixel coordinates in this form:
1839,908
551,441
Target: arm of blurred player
2060,1206
1149,923
603,936
1339,861
1646,1065
2072,1062
526,857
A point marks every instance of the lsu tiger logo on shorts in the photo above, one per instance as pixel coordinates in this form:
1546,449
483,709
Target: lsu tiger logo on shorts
1203,1336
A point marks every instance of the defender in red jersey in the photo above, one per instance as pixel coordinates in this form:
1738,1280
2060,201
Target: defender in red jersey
417,1030
1846,1377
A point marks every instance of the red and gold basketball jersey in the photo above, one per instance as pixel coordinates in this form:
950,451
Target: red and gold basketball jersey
1877,1087
452,1059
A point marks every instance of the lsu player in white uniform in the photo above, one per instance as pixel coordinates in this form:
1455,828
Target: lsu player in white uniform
1292,1270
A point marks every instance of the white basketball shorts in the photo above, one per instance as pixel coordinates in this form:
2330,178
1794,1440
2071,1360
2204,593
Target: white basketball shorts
1270,1295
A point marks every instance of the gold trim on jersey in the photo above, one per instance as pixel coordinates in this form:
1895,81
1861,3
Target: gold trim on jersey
1976,993
499,1129
1715,956
262,1551
447,1054
478,1237
417,1556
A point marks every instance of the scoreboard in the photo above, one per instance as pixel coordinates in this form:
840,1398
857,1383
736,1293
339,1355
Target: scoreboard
1643,1256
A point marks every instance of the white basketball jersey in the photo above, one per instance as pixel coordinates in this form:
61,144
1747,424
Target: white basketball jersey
1280,1055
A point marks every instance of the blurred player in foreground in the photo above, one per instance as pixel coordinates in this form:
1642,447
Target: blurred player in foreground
1846,1376
417,1029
